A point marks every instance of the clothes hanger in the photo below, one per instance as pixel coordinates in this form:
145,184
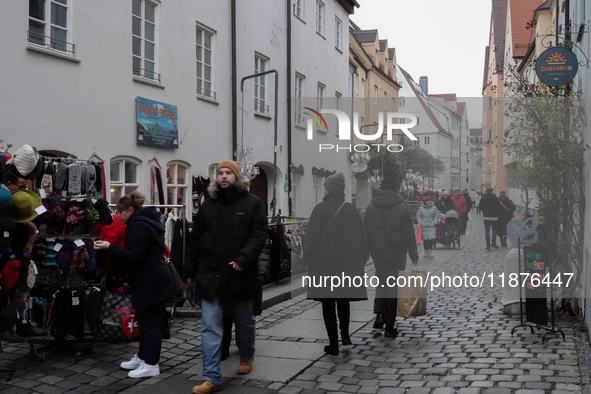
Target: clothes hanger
156,160
95,155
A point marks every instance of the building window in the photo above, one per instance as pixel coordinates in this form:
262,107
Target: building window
260,94
123,177
490,102
338,26
377,59
295,181
316,188
320,17
362,121
418,120
386,65
298,8
375,95
144,39
356,82
362,88
320,97
427,140
176,184
490,134
401,101
204,53
299,89
339,102
401,120
385,101
48,24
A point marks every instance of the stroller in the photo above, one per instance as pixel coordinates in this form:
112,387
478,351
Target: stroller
447,231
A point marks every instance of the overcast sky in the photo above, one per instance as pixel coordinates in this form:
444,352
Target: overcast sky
441,39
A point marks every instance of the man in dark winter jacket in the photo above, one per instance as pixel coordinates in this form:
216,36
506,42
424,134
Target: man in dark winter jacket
505,216
228,235
491,208
390,234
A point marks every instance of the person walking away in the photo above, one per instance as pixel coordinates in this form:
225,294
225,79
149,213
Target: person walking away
149,278
228,235
391,236
469,203
429,216
491,208
477,202
335,245
445,203
461,207
506,213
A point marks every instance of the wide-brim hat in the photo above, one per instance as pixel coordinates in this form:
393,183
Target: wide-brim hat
5,204
24,203
25,160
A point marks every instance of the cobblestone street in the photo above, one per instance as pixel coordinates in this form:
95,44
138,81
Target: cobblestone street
463,344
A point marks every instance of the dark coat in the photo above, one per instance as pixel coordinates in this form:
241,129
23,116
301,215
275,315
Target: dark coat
505,214
445,204
490,206
149,277
389,230
337,248
230,226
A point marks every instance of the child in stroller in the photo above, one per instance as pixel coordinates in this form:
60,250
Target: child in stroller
448,232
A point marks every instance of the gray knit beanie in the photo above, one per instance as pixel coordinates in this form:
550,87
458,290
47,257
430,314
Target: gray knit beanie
335,183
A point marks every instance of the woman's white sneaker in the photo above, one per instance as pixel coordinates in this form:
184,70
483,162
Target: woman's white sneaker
145,371
133,363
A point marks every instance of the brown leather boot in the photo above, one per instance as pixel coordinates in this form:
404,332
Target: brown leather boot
206,387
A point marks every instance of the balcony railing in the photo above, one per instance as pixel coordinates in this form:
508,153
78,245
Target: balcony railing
147,74
206,93
261,108
50,42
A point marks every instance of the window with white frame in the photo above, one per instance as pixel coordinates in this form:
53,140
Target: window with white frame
385,101
362,121
144,39
375,95
49,24
338,27
362,88
176,183
260,93
401,101
427,140
418,120
320,96
339,103
316,188
204,59
320,17
298,8
295,182
386,65
377,59
123,177
298,94
356,82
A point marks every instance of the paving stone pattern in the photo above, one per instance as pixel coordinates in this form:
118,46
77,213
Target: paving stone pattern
463,345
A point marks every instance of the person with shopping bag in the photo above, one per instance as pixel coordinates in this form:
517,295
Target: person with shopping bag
391,236
428,216
150,279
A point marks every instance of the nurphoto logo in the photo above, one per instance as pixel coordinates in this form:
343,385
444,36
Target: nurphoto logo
393,122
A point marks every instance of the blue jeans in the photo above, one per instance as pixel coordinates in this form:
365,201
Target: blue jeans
487,226
212,332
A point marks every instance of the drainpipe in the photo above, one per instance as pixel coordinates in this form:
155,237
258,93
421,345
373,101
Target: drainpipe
289,162
234,81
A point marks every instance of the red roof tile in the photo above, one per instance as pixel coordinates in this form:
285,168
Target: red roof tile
522,11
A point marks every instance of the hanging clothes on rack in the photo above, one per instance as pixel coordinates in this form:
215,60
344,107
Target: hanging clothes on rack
199,193
169,229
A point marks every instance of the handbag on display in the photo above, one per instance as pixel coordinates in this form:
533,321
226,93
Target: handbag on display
117,321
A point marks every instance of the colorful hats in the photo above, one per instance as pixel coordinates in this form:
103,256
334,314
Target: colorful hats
24,203
5,204
9,276
25,160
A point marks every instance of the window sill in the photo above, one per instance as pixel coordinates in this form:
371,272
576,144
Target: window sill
52,52
300,126
338,49
208,99
148,82
264,116
300,18
321,35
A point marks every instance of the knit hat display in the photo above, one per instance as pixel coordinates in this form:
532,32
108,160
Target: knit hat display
388,183
335,183
61,176
64,257
25,160
51,255
89,179
90,213
38,170
232,165
9,276
5,204
24,203
74,179
102,207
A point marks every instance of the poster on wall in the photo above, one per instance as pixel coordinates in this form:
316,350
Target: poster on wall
157,124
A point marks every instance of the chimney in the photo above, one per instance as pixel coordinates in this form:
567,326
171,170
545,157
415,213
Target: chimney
424,84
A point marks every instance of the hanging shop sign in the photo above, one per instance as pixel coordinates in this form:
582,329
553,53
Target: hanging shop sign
157,124
557,66
535,261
